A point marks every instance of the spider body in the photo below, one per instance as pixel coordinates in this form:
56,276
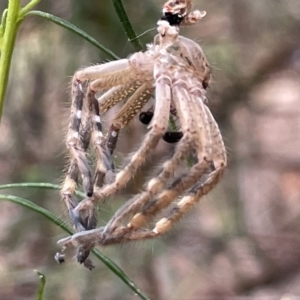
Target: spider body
173,69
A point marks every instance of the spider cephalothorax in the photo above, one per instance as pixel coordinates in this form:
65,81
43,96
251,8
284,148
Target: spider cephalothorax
175,71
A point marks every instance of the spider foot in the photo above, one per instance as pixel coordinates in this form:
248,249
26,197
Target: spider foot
82,254
82,257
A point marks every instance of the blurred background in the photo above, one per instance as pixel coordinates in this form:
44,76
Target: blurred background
242,241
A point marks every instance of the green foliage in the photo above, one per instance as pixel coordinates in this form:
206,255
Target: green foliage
11,20
74,29
59,222
41,289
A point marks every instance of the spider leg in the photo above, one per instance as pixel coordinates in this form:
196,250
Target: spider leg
158,183
116,94
198,129
158,127
104,161
152,189
78,137
114,233
138,96
109,99
204,185
116,73
133,105
108,75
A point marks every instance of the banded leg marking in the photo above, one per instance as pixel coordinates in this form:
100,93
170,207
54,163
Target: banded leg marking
159,125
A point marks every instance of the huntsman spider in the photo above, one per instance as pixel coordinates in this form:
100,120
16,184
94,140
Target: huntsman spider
175,72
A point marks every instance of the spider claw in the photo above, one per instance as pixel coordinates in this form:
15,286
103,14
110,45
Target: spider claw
88,264
82,255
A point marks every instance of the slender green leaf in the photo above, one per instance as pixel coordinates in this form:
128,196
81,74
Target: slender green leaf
7,45
76,30
39,185
132,37
41,289
50,216
120,273
44,212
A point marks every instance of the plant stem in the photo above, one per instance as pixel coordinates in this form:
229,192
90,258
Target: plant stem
28,8
10,33
132,37
56,220
2,27
40,293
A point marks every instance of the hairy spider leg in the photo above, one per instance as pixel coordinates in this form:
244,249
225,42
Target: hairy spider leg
77,142
130,109
185,105
204,185
88,238
205,154
158,127
158,183
196,130
80,128
154,186
78,135
133,105
104,163
109,99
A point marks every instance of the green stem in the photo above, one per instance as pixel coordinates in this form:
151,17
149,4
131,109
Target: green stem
2,27
50,216
40,292
28,8
36,185
132,37
10,33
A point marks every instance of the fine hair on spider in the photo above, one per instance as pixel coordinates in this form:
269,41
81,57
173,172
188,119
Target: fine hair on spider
174,71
